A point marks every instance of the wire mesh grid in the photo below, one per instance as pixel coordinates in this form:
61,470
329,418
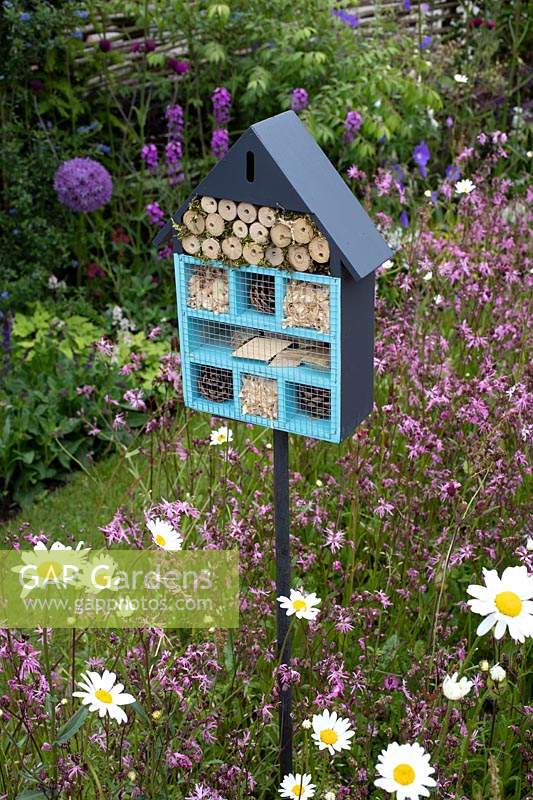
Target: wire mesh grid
261,345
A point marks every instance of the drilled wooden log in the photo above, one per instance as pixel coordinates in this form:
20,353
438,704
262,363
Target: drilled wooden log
274,256
247,212
302,231
319,249
299,258
267,216
194,221
191,244
259,233
210,248
209,204
281,235
232,248
240,229
252,253
214,224
227,210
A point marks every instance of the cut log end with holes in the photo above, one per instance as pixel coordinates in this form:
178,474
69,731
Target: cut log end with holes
247,212
319,250
302,231
209,204
252,253
274,256
227,210
281,235
191,244
240,229
259,233
210,248
232,248
266,216
214,224
299,258
194,221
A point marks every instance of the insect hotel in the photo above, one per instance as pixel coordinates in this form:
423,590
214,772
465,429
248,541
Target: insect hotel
274,262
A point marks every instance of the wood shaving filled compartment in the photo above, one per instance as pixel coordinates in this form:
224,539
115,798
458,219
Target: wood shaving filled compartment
207,289
306,305
259,396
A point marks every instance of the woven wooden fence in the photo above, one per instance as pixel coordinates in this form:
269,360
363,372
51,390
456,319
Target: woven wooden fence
124,34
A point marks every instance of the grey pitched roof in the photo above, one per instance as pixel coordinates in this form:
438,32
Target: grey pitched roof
292,172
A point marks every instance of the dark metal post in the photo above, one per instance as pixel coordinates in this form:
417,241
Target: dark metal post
283,587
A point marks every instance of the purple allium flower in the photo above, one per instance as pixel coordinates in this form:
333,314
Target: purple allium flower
299,100
83,184
135,47
105,45
219,142
404,219
221,99
426,42
177,66
352,123
149,45
155,213
352,20
421,157
149,156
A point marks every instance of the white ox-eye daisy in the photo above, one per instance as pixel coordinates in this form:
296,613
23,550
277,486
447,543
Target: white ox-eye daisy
455,689
297,787
505,602
300,604
102,694
405,769
331,732
164,535
222,435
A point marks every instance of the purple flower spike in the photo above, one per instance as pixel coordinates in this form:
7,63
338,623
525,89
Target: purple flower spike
421,157
404,219
149,156
352,123
221,99
426,42
299,100
220,142
83,184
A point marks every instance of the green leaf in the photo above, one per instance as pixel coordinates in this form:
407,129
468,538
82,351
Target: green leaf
30,794
139,710
229,659
72,726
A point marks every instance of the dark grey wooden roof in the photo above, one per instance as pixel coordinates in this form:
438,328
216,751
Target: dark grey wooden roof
292,172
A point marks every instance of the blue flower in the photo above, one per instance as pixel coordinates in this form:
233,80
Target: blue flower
82,13
407,5
453,173
352,20
103,148
426,42
25,16
398,172
404,219
4,294
77,34
421,157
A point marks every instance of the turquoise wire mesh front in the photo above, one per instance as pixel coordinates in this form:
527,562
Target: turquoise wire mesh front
261,345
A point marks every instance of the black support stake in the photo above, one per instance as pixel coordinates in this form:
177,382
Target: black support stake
283,587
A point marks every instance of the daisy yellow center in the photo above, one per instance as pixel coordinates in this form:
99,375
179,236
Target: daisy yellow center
161,541
103,696
299,605
49,570
508,603
404,774
328,736
298,789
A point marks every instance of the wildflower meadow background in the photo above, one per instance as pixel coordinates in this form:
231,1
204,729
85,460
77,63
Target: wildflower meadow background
412,600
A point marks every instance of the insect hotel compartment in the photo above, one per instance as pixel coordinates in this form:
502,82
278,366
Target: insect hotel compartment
243,361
